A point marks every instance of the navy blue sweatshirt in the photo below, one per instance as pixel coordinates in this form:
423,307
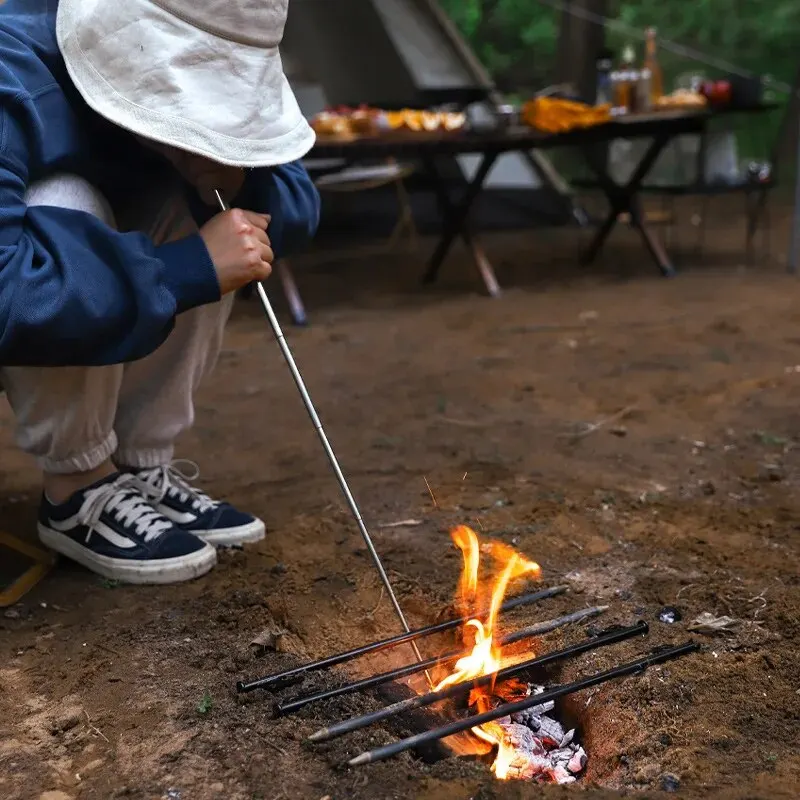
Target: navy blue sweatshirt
73,291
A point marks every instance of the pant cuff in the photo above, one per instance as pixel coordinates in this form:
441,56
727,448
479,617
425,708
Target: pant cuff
143,459
83,462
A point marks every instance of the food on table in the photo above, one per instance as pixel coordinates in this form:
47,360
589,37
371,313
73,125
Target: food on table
682,98
344,122
332,126
555,115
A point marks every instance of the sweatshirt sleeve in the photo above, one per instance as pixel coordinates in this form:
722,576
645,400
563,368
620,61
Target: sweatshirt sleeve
289,196
75,292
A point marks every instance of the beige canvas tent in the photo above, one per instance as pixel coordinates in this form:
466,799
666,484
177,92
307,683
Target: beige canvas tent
389,53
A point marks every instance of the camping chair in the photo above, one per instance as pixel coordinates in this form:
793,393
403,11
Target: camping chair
22,566
349,179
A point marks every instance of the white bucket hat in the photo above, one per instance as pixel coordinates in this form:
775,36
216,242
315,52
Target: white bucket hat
201,75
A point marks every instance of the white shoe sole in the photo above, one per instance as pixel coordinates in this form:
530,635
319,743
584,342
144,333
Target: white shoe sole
227,537
158,571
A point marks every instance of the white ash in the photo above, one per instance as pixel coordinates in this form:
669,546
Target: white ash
544,751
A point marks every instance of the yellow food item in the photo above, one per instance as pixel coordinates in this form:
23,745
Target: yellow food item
430,121
413,120
682,98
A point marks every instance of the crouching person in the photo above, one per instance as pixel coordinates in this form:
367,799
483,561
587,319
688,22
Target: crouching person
117,273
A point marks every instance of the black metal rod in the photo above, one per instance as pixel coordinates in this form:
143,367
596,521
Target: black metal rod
296,703
356,723
459,725
374,647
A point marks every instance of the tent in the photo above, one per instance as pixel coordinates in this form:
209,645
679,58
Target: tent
396,53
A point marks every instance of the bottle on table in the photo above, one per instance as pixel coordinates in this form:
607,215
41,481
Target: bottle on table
651,64
644,98
626,80
604,92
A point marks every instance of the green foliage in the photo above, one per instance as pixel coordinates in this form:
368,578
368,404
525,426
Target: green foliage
520,36
517,40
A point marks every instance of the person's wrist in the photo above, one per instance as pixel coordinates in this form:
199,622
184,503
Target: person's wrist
191,286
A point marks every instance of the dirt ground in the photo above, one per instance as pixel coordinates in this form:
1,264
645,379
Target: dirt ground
686,492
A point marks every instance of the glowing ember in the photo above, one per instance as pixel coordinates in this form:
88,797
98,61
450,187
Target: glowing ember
529,748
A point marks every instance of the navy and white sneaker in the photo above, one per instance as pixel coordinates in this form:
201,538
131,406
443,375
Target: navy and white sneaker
112,529
216,522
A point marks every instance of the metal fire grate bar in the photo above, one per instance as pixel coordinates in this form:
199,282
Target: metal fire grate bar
632,668
296,703
287,677
592,643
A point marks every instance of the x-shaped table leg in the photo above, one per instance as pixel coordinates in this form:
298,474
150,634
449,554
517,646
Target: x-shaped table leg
456,222
625,198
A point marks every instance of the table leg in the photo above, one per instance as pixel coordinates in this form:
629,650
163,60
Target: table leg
456,217
625,198
657,251
600,236
485,268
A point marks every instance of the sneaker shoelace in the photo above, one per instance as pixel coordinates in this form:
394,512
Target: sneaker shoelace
123,499
171,480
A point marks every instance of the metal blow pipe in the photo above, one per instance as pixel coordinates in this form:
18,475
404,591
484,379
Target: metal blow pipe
301,386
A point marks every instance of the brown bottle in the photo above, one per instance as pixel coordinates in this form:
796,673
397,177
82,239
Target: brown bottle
651,64
624,87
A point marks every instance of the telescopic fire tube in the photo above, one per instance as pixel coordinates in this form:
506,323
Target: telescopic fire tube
356,723
326,446
538,629
279,678
632,668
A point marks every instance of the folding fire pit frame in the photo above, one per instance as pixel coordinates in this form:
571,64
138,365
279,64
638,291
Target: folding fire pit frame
606,638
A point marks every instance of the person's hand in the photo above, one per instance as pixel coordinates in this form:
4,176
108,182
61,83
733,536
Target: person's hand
239,247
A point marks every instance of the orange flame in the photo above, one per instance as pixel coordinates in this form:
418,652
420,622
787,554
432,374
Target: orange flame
485,657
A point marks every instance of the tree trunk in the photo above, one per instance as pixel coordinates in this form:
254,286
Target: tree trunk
579,43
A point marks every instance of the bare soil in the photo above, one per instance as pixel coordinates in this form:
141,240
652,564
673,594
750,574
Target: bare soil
685,493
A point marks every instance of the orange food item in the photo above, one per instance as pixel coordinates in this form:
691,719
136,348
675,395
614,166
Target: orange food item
554,115
395,120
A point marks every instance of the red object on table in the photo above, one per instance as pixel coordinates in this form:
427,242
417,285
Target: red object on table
718,93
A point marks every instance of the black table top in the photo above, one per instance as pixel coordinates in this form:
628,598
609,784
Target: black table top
672,122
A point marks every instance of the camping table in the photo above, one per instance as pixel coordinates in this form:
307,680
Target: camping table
662,127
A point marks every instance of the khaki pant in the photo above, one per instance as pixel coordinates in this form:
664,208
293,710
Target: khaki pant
72,419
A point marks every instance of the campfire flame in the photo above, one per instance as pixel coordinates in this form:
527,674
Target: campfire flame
485,656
